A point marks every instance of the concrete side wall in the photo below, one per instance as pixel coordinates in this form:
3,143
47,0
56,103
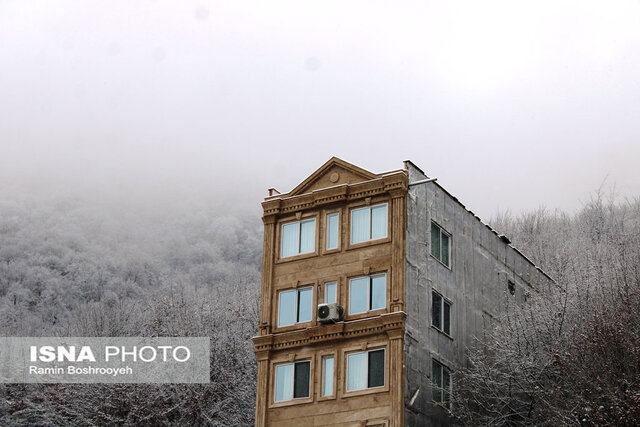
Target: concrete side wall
476,285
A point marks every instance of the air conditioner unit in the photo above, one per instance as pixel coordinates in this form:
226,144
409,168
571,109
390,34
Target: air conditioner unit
330,313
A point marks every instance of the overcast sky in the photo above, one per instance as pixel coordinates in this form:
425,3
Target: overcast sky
511,104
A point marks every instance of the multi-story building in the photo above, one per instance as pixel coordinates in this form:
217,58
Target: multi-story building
404,276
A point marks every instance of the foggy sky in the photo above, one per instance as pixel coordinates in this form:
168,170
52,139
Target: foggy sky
512,105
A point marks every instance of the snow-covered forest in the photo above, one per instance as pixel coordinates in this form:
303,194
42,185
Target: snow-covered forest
76,267
73,267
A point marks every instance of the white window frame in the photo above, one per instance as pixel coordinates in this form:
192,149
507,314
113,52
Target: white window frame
293,378
296,305
369,285
446,233
326,290
299,224
366,369
369,208
327,231
443,301
325,376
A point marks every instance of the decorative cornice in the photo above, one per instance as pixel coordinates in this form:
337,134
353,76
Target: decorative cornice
394,184
390,323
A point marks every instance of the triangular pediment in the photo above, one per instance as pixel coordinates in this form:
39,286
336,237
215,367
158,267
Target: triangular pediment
334,172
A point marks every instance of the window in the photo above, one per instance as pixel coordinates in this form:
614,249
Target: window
292,380
440,247
440,313
295,306
327,376
369,223
330,292
365,370
440,382
298,238
367,293
332,231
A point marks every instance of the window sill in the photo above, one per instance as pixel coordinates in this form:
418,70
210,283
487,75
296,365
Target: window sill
296,257
441,263
294,327
365,391
366,314
293,402
368,243
331,251
323,398
442,332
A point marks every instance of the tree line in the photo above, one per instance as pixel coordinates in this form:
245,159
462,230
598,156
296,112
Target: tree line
69,267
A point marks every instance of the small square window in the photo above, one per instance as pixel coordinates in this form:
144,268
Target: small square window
292,381
440,313
440,244
295,306
365,370
298,237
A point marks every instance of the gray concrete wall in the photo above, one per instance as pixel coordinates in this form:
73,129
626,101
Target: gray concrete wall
476,285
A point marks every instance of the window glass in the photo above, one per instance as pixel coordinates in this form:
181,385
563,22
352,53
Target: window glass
330,292
298,238
378,292
440,244
358,295
305,304
446,385
444,249
359,225
441,382
332,231
435,241
290,239
378,222
356,371
436,379
376,368
367,293
307,236
287,308
301,379
284,382
446,318
440,313
327,375
436,314
368,223
295,306
292,380
365,370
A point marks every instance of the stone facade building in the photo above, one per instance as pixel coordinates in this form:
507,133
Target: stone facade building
373,285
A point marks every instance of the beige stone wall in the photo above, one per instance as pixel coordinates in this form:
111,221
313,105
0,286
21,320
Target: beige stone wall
350,187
